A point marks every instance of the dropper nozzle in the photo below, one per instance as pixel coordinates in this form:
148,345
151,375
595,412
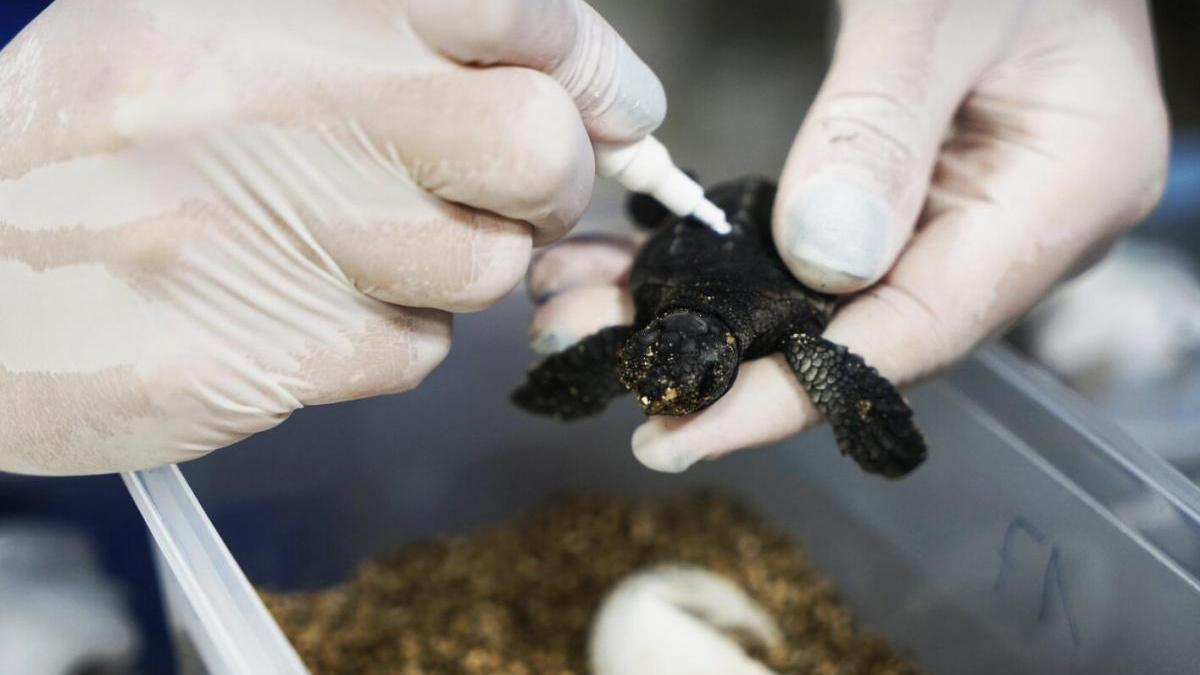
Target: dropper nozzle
645,166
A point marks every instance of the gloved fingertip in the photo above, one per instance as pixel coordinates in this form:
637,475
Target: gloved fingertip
551,342
586,259
636,107
619,96
655,447
835,236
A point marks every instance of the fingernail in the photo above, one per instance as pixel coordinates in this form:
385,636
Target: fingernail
835,234
550,342
653,447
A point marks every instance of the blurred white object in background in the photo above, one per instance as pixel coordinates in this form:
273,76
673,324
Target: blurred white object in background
1126,334
668,621
59,614
1133,317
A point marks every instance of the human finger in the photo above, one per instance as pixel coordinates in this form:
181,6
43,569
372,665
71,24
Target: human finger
618,96
587,260
857,174
505,140
575,314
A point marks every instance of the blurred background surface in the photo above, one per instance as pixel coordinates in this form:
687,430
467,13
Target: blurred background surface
739,79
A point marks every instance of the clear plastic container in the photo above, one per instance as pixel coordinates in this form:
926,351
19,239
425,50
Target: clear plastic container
1036,539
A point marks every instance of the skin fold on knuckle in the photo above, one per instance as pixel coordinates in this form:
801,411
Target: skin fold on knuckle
919,341
874,131
514,145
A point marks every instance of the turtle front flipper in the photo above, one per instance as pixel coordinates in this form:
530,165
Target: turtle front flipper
579,381
871,420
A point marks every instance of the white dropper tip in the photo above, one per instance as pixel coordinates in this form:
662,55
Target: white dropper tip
645,166
711,215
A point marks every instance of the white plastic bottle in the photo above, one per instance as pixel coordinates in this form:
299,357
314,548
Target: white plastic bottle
645,167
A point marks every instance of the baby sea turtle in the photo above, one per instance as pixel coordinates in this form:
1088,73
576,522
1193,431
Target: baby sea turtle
705,302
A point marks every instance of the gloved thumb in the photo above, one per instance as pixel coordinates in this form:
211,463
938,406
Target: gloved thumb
618,96
858,172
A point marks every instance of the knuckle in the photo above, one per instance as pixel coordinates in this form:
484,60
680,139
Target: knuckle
924,342
556,155
879,127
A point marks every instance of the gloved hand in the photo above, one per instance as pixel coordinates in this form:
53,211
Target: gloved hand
962,157
214,213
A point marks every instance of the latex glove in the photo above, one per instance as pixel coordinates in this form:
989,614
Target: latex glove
61,613
965,156
212,214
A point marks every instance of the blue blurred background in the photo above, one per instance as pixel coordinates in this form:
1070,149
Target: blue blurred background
14,14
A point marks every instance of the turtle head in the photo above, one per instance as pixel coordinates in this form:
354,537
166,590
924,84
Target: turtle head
679,363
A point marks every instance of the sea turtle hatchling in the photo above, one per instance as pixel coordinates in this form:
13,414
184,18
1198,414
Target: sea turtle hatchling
704,303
